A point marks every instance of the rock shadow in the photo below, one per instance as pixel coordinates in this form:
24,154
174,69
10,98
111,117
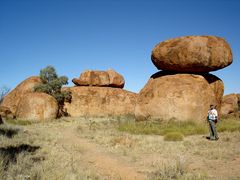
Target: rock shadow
9,133
10,153
210,78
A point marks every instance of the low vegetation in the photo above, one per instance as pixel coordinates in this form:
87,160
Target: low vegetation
163,128
173,136
176,130
8,131
77,148
52,85
18,122
228,125
175,170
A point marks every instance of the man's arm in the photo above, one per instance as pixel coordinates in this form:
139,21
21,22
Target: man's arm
216,116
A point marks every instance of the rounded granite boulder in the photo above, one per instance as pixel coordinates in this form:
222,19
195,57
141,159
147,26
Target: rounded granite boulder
192,54
178,96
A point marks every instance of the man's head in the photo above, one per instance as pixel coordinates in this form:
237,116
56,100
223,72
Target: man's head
211,106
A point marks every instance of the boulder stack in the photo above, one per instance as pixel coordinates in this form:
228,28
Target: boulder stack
99,94
184,89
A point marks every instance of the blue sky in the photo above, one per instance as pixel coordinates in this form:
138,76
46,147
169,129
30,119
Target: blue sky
76,35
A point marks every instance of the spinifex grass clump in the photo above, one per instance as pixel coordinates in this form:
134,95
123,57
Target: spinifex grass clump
173,136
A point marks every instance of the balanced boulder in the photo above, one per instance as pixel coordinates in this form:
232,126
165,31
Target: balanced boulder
12,99
192,54
115,79
109,78
37,106
176,96
100,101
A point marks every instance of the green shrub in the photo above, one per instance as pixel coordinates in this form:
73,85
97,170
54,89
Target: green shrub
52,85
173,136
176,171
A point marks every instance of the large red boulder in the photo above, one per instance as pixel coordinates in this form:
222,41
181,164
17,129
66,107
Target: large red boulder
12,99
100,101
37,106
183,97
192,54
229,104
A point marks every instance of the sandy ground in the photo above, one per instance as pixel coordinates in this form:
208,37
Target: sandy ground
80,149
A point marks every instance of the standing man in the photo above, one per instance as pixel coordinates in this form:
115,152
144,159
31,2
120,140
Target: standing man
212,119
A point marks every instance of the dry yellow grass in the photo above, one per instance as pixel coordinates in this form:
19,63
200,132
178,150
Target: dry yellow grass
79,148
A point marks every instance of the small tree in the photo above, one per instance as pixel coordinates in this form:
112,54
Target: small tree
3,91
52,85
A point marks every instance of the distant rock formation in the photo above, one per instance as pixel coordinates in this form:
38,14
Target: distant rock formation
12,99
109,78
192,54
37,106
184,89
99,94
230,105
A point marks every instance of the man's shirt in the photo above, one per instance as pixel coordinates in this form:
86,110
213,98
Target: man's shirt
212,114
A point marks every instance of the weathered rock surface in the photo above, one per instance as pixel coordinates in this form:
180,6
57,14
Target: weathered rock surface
229,104
170,96
12,99
100,101
109,78
5,112
115,79
192,54
37,106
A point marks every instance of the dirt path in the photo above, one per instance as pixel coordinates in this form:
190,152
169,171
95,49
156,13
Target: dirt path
95,158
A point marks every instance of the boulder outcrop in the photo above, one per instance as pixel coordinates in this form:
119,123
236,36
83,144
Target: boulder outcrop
12,99
192,54
100,101
37,106
230,104
176,96
109,78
